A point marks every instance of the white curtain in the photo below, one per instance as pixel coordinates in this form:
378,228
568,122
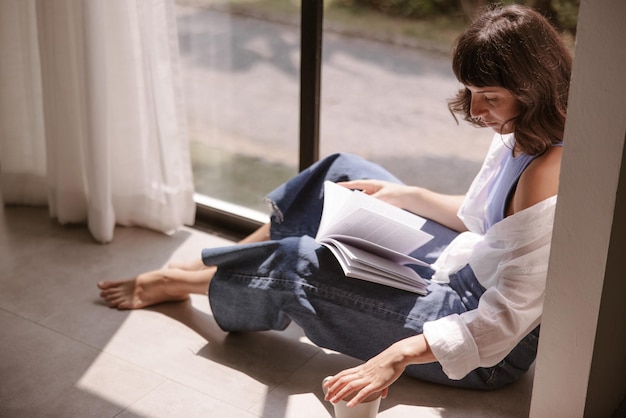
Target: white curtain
92,120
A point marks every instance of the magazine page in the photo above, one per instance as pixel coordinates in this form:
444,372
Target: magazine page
396,276
367,261
358,215
371,239
368,247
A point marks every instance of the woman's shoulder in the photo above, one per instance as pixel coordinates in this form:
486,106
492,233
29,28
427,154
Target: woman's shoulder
539,181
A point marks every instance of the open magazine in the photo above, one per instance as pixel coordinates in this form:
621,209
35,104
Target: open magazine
371,238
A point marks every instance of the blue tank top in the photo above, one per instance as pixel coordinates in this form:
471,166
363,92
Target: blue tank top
505,184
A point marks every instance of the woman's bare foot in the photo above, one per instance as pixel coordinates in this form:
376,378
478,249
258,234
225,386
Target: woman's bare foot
166,285
174,283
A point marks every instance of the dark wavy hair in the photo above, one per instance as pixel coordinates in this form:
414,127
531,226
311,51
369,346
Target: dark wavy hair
516,48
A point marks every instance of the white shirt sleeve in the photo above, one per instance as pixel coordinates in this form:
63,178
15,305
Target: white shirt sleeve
511,262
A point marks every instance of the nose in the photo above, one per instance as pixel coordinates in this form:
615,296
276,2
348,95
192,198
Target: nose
477,109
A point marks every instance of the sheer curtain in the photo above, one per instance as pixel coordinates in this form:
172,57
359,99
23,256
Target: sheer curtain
92,121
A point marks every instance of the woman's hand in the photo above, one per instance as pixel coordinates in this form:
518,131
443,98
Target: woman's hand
377,374
442,208
392,193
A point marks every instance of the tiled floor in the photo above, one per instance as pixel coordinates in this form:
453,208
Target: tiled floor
64,354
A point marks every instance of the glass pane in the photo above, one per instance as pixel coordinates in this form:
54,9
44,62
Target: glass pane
388,103
382,100
241,84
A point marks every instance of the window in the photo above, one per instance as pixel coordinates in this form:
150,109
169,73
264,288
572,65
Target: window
241,80
384,101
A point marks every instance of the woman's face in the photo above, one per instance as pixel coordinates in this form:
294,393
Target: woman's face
494,106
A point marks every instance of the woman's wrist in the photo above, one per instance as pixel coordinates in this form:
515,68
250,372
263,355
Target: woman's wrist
413,199
414,350
442,208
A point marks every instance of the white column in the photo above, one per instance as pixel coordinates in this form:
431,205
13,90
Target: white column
581,365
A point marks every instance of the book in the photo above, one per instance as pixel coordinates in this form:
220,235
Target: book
372,239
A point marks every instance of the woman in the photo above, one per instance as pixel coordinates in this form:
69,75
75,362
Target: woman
478,325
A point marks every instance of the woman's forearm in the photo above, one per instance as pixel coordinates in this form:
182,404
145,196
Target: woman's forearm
413,350
379,372
439,207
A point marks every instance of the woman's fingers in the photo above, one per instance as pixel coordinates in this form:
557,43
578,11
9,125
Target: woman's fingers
354,387
366,186
365,394
341,385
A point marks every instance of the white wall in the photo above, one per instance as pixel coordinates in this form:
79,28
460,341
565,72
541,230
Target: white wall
581,365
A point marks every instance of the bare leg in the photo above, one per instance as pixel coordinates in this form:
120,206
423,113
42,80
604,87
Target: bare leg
261,234
174,283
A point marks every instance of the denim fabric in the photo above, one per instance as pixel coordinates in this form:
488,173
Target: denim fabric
298,202
266,285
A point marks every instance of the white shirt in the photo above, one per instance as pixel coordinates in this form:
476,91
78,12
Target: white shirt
510,260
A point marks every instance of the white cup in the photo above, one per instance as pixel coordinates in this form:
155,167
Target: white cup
361,410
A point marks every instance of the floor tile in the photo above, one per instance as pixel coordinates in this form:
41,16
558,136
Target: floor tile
47,374
172,400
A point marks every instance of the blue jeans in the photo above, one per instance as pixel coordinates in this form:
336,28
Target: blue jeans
265,286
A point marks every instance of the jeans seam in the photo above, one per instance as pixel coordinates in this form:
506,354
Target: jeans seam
355,302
